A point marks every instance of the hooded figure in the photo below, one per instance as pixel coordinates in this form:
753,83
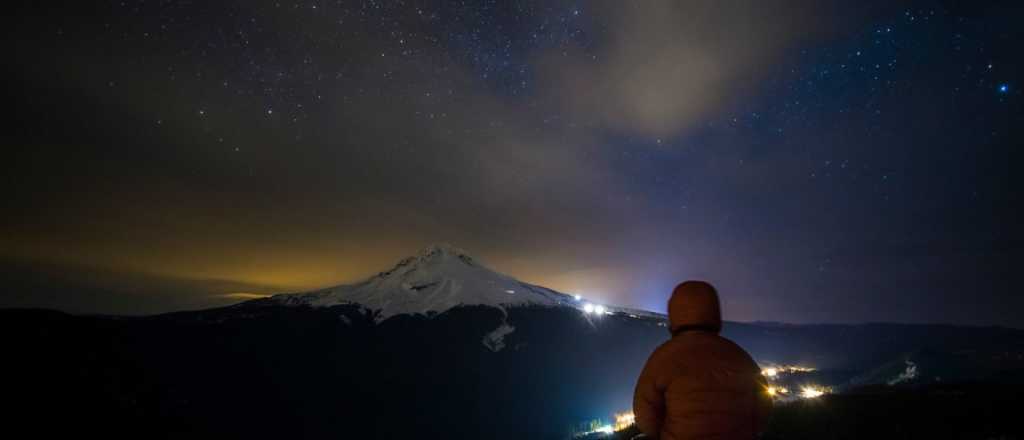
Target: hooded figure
699,385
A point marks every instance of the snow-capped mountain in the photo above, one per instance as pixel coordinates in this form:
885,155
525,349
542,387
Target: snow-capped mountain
437,279
331,364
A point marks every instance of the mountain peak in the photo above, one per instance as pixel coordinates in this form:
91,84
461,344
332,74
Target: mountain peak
442,250
433,256
438,278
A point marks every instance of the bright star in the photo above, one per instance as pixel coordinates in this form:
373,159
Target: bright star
1003,88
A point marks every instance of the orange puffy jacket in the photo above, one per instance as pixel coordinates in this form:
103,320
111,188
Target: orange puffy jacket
699,385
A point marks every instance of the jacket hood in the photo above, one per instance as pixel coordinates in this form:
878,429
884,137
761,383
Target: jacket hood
694,305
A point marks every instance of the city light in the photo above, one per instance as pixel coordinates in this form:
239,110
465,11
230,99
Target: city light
624,420
812,392
776,376
588,308
599,309
775,370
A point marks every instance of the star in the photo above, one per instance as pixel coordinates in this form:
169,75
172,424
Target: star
1004,88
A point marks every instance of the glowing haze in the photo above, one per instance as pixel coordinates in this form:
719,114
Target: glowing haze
817,160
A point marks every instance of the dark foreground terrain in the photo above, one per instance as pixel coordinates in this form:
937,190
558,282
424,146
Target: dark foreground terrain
263,371
280,372
968,411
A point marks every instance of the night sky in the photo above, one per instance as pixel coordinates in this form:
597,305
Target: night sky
819,161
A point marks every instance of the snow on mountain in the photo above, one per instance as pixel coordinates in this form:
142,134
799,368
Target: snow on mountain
437,279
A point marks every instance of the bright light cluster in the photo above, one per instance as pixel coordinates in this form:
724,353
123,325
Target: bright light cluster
774,374
812,391
596,428
776,370
595,309
806,391
624,420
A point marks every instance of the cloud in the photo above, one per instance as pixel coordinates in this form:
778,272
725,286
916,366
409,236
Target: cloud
664,66
386,153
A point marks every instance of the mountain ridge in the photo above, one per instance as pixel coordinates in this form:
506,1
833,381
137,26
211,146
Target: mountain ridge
437,279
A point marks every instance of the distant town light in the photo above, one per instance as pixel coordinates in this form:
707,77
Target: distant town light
588,307
811,392
624,420
577,297
776,370
599,309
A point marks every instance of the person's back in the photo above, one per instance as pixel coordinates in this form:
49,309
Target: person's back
699,385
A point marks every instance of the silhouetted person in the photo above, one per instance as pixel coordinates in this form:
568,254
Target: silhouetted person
699,385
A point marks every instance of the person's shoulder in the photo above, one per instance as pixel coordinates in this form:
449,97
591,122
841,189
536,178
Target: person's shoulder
738,351
680,344
663,348
706,342
728,342
669,350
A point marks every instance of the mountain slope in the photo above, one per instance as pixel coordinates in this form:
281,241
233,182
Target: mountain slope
436,280
322,372
437,347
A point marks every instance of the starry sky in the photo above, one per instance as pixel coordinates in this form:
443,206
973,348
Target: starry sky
817,160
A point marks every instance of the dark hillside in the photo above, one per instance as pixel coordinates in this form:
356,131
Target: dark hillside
282,371
266,371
